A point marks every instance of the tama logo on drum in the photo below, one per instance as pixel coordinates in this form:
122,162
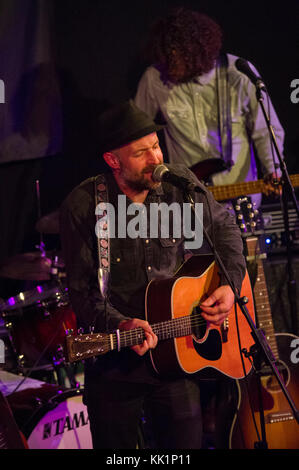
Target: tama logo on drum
65,423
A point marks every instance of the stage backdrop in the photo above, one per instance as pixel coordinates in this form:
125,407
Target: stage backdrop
30,117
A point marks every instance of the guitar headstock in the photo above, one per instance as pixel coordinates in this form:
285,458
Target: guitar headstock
80,347
247,217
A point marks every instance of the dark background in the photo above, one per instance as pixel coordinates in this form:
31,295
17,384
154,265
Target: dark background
99,59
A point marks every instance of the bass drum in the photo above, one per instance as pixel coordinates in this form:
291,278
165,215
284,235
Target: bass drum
51,418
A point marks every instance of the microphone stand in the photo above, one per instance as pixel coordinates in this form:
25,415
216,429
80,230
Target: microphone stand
261,343
287,190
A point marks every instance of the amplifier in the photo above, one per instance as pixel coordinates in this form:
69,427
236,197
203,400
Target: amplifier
274,228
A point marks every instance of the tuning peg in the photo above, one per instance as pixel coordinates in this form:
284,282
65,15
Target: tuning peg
240,217
249,205
80,331
237,207
253,224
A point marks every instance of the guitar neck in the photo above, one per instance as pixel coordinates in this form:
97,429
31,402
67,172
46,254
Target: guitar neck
164,330
260,291
231,191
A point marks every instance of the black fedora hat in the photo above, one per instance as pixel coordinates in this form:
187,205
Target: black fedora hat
123,123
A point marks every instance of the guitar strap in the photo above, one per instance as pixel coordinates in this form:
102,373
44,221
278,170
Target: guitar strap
224,109
102,232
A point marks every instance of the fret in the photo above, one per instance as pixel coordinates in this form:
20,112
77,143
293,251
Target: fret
265,323
264,307
229,191
234,190
260,290
265,316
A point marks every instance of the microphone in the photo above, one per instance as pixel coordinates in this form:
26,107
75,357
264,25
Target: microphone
243,66
162,173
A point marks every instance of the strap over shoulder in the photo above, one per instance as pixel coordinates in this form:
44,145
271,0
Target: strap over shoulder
224,109
102,233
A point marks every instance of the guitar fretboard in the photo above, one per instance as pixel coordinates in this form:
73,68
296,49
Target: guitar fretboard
263,308
174,328
231,191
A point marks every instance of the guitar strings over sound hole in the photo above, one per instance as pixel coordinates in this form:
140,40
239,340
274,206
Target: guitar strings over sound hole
198,323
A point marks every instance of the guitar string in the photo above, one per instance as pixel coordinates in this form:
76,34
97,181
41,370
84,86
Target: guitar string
180,326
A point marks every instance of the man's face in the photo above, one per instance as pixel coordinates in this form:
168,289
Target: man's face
137,161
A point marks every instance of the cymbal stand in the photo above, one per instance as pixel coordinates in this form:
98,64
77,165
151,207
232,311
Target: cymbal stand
41,245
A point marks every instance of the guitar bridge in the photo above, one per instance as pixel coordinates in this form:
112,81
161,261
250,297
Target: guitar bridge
224,330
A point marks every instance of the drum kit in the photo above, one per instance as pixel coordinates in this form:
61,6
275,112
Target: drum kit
49,413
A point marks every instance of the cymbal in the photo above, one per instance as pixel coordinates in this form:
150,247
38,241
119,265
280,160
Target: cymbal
48,223
27,267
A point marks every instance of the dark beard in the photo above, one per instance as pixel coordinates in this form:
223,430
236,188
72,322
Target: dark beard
140,185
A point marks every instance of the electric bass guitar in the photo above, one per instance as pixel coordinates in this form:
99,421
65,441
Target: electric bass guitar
230,191
187,343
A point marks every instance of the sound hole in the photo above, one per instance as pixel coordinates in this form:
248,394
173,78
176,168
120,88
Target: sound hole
199,324
271,382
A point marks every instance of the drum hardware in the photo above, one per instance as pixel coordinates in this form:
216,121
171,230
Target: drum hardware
61,366
34,266
60,423
31,369
10,437
36,321
51,417
27,267
59,357
31,298
10,360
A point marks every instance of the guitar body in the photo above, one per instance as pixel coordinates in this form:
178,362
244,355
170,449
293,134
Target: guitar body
282,430
209,345
203,170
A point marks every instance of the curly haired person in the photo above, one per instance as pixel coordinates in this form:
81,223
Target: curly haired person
209,107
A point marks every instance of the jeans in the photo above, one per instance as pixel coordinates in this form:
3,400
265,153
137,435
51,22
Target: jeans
170,412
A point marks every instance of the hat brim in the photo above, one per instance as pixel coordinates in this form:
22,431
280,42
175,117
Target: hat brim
118,140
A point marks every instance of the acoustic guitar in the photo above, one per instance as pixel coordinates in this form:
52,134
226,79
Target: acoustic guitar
187,343
281,429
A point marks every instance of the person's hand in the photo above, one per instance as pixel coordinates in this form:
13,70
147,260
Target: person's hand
217,306
151,339
272,185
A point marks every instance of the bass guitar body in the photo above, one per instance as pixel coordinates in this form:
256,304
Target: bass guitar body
281,428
